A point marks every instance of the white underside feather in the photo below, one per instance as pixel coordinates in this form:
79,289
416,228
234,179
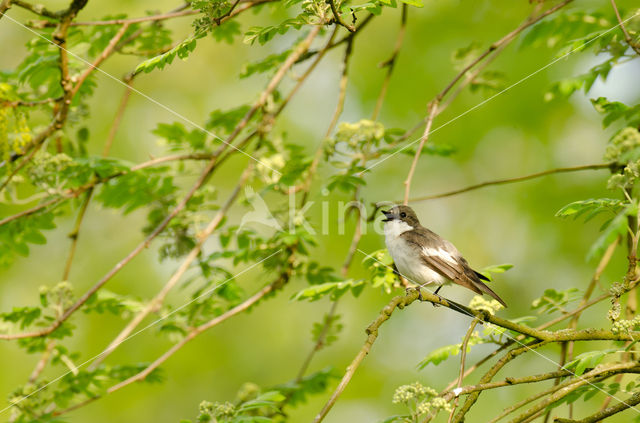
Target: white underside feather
407,258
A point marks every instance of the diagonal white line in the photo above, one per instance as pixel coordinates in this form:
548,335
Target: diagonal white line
499,329
141,330
482,103
151,99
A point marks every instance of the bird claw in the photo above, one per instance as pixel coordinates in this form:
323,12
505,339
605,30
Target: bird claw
408,290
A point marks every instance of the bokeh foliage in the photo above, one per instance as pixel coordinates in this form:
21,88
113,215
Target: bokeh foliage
112,225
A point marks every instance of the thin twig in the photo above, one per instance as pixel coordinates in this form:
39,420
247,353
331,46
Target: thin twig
463,357
344,79
32,210
155,304
109,49
512,180
318,57
131,21
319,342
433,110
434,104
4,6
73,235
195,332
115,124
211,165
569,386
38,9
567,348
473,397
19,167
357,235
190,336
342,93
42,363
372,332
627,36
390,63
176,13
603,414
338,19
506,39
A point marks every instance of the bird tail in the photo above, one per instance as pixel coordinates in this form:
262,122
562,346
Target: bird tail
484,288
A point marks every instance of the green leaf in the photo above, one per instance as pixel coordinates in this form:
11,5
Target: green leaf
614,110
328,329
553,300
496,268
298,391
265,34
179,137
182,50
591,208
416,3
17,234
563,28
334,289
226,32
616,227
137,189
587,360
439,355
265,64
23,315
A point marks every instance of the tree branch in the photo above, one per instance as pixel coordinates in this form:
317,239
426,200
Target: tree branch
338,19
399,301
570,385
391,62
627,36
433,111
513,180
4,6
37,9
601,415
211,166
463,357
433,106
473,396
154,305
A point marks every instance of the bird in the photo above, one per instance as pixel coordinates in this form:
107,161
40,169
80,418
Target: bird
423,257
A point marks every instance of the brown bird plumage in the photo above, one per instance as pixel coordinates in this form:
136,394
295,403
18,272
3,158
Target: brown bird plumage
423,257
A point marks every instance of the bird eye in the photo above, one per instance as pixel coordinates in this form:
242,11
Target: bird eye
403,215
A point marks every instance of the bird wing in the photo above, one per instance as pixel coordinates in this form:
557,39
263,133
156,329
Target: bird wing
448,262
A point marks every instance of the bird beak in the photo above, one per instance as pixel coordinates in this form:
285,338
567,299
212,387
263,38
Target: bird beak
388,215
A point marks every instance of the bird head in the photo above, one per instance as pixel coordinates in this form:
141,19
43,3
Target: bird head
401,213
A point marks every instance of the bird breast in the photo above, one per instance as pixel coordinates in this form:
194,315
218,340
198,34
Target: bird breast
408,259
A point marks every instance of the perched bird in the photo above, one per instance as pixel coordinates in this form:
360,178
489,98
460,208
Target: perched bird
423,257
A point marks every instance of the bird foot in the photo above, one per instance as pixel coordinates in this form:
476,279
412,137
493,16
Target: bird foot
436,294
408,290
435,304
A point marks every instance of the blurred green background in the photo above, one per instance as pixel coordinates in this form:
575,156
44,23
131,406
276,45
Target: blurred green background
514,134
